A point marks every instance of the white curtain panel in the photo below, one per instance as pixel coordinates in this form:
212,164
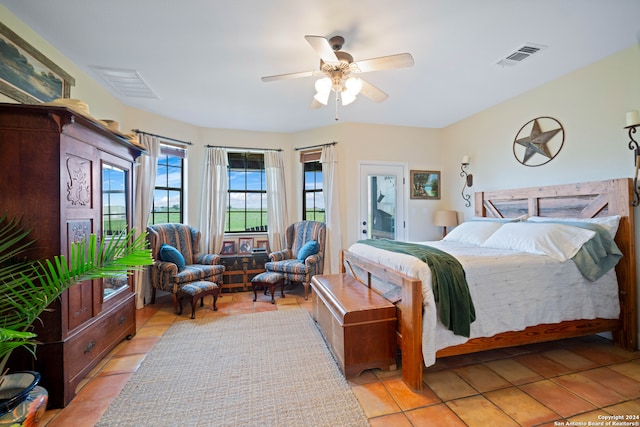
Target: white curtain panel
333,244
145,182
277,215
213,200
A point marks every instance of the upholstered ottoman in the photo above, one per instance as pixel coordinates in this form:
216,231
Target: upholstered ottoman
198,290
270,280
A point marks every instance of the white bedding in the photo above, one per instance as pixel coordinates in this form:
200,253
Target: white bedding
510,291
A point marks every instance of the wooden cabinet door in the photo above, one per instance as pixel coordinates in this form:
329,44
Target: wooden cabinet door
80,191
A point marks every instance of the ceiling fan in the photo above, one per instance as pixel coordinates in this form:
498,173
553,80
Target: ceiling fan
339,72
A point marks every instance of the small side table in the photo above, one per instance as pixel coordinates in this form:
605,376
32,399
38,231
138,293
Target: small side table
270,280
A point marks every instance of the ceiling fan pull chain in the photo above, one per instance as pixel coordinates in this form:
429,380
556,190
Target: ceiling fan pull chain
337,99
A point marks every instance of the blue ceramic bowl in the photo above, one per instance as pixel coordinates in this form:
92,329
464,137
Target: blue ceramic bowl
15,388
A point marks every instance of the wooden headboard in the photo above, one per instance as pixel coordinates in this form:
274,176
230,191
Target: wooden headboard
583,200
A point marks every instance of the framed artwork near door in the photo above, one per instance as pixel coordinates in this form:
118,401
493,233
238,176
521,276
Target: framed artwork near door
425,185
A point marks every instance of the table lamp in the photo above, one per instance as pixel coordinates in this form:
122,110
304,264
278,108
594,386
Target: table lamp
445,219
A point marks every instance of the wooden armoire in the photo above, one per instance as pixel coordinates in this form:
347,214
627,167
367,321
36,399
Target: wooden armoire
67,176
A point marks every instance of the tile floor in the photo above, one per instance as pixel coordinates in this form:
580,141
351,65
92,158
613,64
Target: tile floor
578,380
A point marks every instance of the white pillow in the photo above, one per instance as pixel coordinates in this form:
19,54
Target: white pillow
609,222
473,232
558,241
489,218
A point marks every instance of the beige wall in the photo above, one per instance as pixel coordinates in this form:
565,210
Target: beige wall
199,139
419,148
590,103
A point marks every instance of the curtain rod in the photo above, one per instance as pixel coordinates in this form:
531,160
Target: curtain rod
162,137
244,148
316,146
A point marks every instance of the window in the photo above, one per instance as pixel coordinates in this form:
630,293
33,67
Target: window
247,204
168,196
114,200
312,194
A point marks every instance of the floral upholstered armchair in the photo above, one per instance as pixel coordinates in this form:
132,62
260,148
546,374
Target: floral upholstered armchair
178,260
304,256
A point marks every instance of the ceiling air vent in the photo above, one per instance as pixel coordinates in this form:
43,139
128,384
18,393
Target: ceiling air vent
521,54
127,83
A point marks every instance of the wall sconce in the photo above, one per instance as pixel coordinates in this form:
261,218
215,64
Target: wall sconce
633,122
445,219
468,180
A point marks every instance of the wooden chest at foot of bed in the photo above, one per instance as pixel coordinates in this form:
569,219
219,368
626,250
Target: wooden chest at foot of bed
358,324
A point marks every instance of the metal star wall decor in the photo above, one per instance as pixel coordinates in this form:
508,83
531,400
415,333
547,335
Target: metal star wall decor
538,147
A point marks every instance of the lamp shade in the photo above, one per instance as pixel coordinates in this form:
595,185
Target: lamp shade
445,218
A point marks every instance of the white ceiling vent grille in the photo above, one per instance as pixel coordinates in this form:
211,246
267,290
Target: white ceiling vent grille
521,54
127,83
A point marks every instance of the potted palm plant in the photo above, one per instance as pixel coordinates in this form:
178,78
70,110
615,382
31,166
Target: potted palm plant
27,288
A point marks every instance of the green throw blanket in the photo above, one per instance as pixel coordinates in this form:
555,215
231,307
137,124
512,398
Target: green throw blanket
448,281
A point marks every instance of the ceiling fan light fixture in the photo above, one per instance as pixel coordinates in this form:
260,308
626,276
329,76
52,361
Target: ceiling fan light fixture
323,86
346,97
322,98
337,67
353,85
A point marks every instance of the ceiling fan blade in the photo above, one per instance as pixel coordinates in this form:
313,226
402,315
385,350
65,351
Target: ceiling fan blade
399,60
291,75
323,49
372,92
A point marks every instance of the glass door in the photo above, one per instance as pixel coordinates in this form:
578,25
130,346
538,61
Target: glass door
382,199
114,217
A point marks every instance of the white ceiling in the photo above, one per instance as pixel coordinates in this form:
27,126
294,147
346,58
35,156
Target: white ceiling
204,58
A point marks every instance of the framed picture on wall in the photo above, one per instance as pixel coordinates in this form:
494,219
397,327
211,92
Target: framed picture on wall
425,185
228,247
245,245
28,76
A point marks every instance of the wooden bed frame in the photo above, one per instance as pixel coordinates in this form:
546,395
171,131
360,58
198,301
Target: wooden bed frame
584,200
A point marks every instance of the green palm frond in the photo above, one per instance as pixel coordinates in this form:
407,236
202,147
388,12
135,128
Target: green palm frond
12,244
28,287
10,340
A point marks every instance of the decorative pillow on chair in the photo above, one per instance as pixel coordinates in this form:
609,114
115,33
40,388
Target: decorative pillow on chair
170,254
308,249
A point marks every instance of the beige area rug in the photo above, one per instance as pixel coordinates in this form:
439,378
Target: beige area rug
263,369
